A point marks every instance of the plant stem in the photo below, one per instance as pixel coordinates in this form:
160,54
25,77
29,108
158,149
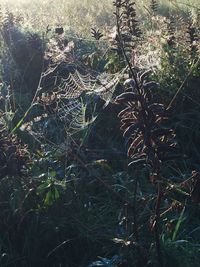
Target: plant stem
135,223
156,229
123,50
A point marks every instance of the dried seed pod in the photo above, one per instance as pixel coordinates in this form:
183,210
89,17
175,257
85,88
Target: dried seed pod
157,108
131,130
137,162
127,97
130,83
135,144
150,85
96,34
124,112
59,30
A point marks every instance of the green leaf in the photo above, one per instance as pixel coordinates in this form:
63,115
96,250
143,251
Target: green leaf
51,197
178,224
52,174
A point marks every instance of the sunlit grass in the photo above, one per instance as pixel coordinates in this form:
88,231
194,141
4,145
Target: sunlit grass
80,15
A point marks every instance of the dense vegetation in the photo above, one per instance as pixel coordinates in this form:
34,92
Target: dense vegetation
99,133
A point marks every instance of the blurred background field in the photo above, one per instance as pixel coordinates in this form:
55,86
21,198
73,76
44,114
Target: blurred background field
82,15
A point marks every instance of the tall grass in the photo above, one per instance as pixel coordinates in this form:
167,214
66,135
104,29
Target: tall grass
81,15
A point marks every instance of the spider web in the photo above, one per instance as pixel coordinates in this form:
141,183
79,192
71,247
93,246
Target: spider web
70,106
76,83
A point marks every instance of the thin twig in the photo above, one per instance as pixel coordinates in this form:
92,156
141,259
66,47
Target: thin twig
183,83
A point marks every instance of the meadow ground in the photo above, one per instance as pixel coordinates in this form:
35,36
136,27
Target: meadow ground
80,16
